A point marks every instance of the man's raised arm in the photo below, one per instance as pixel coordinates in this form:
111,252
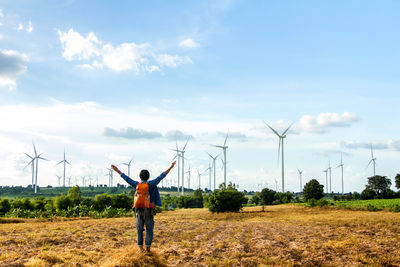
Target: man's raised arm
125,177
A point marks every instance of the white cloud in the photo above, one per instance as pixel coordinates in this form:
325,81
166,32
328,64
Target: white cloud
189,43
122,57
172,61
389,144
20,27
77,47
323,121
29,28
12,64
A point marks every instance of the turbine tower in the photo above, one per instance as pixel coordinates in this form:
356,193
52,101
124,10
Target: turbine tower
300,176
372,159
213,159
341,166
326,179
129,167
209,172
110,177
199,175
281,139
64,161
224,147
32,162
178,158
180,154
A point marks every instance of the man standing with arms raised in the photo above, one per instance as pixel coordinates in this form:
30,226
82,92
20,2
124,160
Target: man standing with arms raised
147,198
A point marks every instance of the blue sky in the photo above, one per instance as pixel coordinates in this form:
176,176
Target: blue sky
70,70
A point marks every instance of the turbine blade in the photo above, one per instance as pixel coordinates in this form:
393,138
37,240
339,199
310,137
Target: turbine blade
29,156
272,129
34,148
226,138
60,162
68,162
185,144
287,129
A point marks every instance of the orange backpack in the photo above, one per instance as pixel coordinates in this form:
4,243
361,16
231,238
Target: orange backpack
142,196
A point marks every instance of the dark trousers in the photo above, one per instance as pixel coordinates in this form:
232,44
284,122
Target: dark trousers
144,217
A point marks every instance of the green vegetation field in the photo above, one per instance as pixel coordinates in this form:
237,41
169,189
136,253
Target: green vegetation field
373,204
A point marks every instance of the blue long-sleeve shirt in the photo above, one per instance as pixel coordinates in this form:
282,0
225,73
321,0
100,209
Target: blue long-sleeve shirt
153,190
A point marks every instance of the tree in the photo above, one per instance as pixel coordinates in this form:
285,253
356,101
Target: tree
397,180
379,184
267,196
226,200
313,189
5,206
75,195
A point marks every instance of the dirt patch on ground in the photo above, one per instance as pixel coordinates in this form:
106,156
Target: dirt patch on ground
284,235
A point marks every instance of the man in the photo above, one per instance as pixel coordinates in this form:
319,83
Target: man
145,216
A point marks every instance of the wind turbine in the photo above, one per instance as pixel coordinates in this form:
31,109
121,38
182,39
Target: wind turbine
188,177
37,157
199,174
59,179
83,181
64,161
281,139
341,166
372,159
110,177
213,159
326,179
178,158
330,177
224,147
129,167
300,176
69,181
33,167
209,172
181,156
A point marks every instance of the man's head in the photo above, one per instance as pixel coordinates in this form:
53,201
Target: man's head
144,175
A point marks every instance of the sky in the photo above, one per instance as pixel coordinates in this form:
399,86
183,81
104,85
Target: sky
113,81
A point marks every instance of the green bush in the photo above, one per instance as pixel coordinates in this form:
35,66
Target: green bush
283,198
101,202
122,201
63,202
39,203
226,200
313,189
5,206
256,199
368,193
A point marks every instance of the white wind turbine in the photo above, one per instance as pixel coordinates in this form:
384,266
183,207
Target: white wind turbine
213,159
110,177
209,172
129,167
281,139
330,177
59,179
341,166
64,161
32,162
188,177
224,147
178,158
373,159
83,181
180,154
300,176
37,157
199,175
69,181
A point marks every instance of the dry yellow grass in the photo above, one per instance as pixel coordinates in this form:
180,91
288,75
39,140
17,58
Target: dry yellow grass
284,235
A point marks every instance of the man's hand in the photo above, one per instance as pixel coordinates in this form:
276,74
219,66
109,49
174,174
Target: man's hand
172,165
116,169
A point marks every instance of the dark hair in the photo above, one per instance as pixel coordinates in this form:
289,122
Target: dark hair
144,175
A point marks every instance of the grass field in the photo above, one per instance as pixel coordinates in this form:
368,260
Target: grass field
284,235
373,204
